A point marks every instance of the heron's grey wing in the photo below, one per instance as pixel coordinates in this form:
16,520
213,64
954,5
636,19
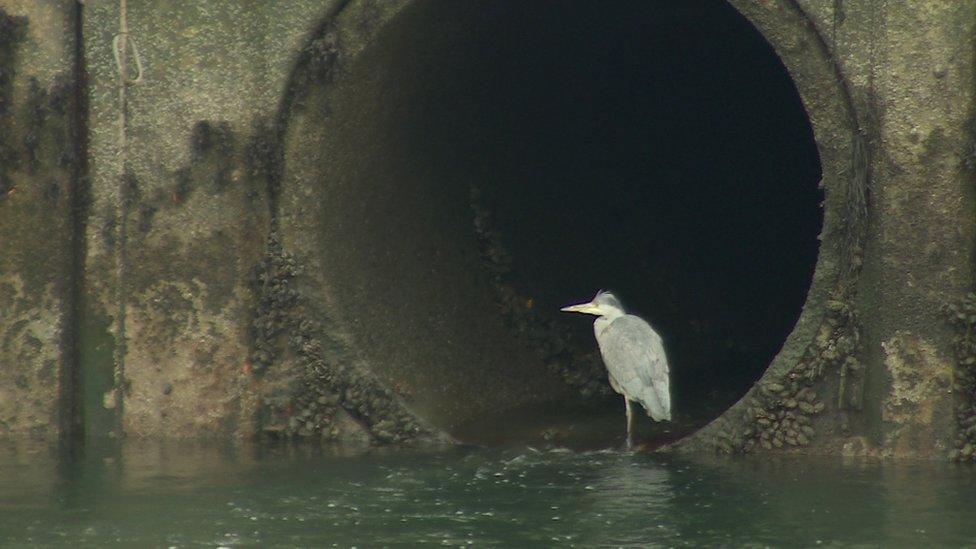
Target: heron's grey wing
634,356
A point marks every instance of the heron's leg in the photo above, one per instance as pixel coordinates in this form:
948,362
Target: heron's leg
630,424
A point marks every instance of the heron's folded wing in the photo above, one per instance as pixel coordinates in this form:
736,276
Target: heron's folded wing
634,355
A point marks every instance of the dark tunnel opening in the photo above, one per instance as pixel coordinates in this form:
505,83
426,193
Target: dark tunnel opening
663,152
659,149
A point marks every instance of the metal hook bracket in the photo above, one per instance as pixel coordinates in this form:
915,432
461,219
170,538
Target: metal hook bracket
118,58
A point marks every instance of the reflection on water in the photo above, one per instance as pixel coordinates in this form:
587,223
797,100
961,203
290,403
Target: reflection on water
183,495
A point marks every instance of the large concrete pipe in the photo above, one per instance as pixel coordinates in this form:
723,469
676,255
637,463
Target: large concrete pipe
357,220
481,164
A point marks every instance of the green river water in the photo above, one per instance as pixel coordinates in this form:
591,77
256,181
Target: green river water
195,495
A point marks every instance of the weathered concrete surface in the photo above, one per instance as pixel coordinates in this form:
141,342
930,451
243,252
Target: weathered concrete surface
920,253
916,408
37,169
910,72
213,296
194,218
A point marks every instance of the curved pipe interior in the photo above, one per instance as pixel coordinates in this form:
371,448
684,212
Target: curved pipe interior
656,149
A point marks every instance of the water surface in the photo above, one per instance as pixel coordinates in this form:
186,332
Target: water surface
160,495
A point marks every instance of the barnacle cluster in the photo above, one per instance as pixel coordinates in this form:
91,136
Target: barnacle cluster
962,315
581,370
272,278
327,385
779,412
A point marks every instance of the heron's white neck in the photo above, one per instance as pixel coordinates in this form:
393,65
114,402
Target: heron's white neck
606,318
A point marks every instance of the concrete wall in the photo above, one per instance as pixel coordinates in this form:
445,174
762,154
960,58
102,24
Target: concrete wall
179,209
180,249
38,173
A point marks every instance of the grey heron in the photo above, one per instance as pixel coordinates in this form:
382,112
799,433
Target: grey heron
634,356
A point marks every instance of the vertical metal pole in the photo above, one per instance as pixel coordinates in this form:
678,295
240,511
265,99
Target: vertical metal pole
122,206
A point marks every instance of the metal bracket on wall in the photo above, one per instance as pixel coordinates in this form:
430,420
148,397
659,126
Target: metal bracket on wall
117,45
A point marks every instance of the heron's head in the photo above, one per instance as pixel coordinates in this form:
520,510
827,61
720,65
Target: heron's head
604,304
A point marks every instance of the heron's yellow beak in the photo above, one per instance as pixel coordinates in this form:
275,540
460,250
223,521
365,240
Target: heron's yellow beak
586,308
